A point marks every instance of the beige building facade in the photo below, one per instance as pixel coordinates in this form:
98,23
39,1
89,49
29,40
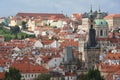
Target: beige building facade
113,20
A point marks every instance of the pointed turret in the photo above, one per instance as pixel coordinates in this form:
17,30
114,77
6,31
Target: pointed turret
91,16
99,14
91,9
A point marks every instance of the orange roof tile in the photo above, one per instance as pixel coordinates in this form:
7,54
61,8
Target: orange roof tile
69,43
29,68
69,74
113,56
77,16
112,40
43,15
46,42
109,68
110,16
2,74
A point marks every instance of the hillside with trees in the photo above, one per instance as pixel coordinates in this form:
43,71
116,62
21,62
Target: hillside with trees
13,33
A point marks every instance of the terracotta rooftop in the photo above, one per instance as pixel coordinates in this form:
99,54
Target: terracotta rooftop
29,68
110,16
112,40
69,43
1,75
109,68
46,15
112,56
69,74
77,16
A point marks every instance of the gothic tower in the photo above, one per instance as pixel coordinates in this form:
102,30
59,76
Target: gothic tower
92,32
70,60
92,48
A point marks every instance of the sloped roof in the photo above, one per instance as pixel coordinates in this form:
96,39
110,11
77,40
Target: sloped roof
69,43
77,16
113,56
112,16
2,75
29,68
40,15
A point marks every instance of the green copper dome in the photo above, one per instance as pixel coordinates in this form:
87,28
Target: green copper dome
101,22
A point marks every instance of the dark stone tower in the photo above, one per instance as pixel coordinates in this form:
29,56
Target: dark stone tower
92,49
92,32
70,60
92,38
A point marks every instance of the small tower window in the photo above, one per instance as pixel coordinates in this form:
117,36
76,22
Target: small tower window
106,32
101,22
101,32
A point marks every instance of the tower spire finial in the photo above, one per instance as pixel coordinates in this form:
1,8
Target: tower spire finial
99,9
91,8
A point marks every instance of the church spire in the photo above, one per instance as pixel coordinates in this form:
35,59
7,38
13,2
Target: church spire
91,15
99,14
91,9
99,9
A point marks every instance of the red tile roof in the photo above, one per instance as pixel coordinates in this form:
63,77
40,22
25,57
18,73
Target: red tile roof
29,68
109,76
110,16
112,56
118,72
45,15
46,58
4,61
109,68
69,74
112,40
69,43
46,42
2,74
56,30
77,16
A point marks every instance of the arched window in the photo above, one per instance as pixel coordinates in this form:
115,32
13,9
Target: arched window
101,32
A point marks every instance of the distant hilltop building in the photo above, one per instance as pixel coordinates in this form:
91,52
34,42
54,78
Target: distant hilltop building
40,15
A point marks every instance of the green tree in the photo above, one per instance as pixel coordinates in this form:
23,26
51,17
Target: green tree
22,36
12,74
24,25
43,76
15,29
93,74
